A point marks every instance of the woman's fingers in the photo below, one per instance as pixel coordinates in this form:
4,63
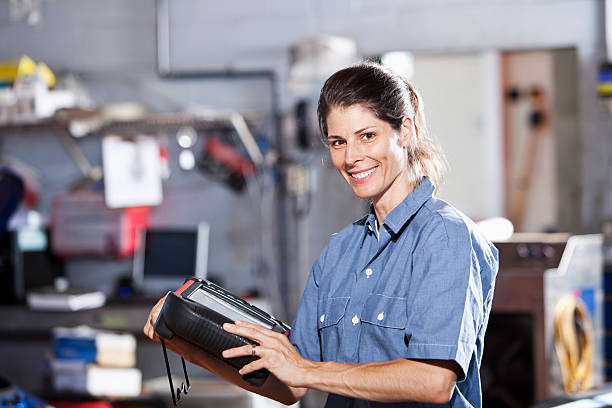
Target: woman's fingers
275,352
252,366
249,330
238,351
248,351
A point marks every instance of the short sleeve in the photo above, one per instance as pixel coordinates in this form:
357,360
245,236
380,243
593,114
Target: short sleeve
445,301
304,334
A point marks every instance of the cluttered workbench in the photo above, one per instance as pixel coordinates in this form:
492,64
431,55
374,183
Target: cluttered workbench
27,347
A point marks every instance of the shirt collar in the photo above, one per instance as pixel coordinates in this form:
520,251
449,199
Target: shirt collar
398,217
370,225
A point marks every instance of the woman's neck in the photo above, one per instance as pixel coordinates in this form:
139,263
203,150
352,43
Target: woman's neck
391,198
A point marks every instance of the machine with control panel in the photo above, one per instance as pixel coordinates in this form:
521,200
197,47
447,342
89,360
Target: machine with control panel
520,366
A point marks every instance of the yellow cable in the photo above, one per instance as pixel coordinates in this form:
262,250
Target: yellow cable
573,346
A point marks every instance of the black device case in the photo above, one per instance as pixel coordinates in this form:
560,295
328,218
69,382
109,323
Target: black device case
203,327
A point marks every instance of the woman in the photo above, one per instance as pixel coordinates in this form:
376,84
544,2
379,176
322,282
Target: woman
396,307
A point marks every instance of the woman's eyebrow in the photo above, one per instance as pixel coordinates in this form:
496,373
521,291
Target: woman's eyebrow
365,128
356,132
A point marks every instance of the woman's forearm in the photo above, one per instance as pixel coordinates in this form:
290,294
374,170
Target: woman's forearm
391,381
398,380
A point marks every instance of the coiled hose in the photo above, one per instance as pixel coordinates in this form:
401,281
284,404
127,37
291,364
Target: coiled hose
573,332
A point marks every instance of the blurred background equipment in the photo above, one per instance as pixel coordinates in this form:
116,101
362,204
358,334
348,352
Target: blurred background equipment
29,96
496,229
28,263
221,161
573,330
11,193
314,59
60,297
90,362
186,137
537,271
82,225
12,397
539,122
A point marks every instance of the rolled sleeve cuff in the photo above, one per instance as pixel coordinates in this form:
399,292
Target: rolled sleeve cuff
422,351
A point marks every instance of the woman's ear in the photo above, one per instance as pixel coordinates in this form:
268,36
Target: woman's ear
407,131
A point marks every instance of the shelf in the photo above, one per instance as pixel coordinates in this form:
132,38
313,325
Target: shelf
19,321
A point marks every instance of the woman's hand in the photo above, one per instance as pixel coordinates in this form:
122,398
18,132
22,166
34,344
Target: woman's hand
149,330
275,352
181,347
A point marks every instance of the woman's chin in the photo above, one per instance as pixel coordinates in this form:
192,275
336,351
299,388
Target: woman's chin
361,192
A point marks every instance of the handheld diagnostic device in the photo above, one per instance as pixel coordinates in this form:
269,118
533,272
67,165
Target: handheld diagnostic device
196,313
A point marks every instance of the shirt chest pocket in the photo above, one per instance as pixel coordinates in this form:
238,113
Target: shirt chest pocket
385,311
331,311
383,328
330,317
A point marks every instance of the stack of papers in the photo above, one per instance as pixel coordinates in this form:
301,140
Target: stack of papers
68,300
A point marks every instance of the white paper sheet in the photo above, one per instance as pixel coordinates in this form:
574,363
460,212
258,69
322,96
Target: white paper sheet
132,175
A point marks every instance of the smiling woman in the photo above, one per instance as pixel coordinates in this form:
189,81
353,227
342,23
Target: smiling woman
395,309
371,155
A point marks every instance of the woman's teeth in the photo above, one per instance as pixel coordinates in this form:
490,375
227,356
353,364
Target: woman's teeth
364,174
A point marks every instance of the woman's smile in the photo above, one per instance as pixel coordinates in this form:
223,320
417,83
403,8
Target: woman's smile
362,176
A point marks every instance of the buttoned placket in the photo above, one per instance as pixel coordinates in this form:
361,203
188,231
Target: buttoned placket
365,282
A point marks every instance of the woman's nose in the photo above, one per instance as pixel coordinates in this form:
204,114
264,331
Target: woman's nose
352,154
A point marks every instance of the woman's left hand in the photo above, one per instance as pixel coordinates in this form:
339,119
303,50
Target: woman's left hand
275,352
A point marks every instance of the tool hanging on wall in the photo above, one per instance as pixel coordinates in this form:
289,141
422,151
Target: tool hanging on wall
539,125
223,162
221,155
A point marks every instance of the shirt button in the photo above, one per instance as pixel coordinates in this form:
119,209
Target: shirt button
381,316
322,318
368,272
355,320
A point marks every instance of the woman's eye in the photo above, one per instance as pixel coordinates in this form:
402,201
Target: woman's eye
336,143
368,136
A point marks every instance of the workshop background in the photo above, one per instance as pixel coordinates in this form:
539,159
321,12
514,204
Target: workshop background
221,96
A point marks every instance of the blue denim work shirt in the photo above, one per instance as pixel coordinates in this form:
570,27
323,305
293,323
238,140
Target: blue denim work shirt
420,288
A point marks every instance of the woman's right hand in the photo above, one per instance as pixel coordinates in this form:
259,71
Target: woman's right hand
176,344
149,328
181,347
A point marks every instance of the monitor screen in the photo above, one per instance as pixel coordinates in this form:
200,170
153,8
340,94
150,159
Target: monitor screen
170,253
168,256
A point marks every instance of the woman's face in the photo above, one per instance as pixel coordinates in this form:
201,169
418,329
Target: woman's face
369,153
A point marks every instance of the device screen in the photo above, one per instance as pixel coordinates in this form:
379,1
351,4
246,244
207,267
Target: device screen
222,307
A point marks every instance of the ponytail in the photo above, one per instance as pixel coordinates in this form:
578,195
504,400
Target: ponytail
425,158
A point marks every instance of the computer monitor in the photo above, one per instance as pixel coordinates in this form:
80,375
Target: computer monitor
167,256
26,263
